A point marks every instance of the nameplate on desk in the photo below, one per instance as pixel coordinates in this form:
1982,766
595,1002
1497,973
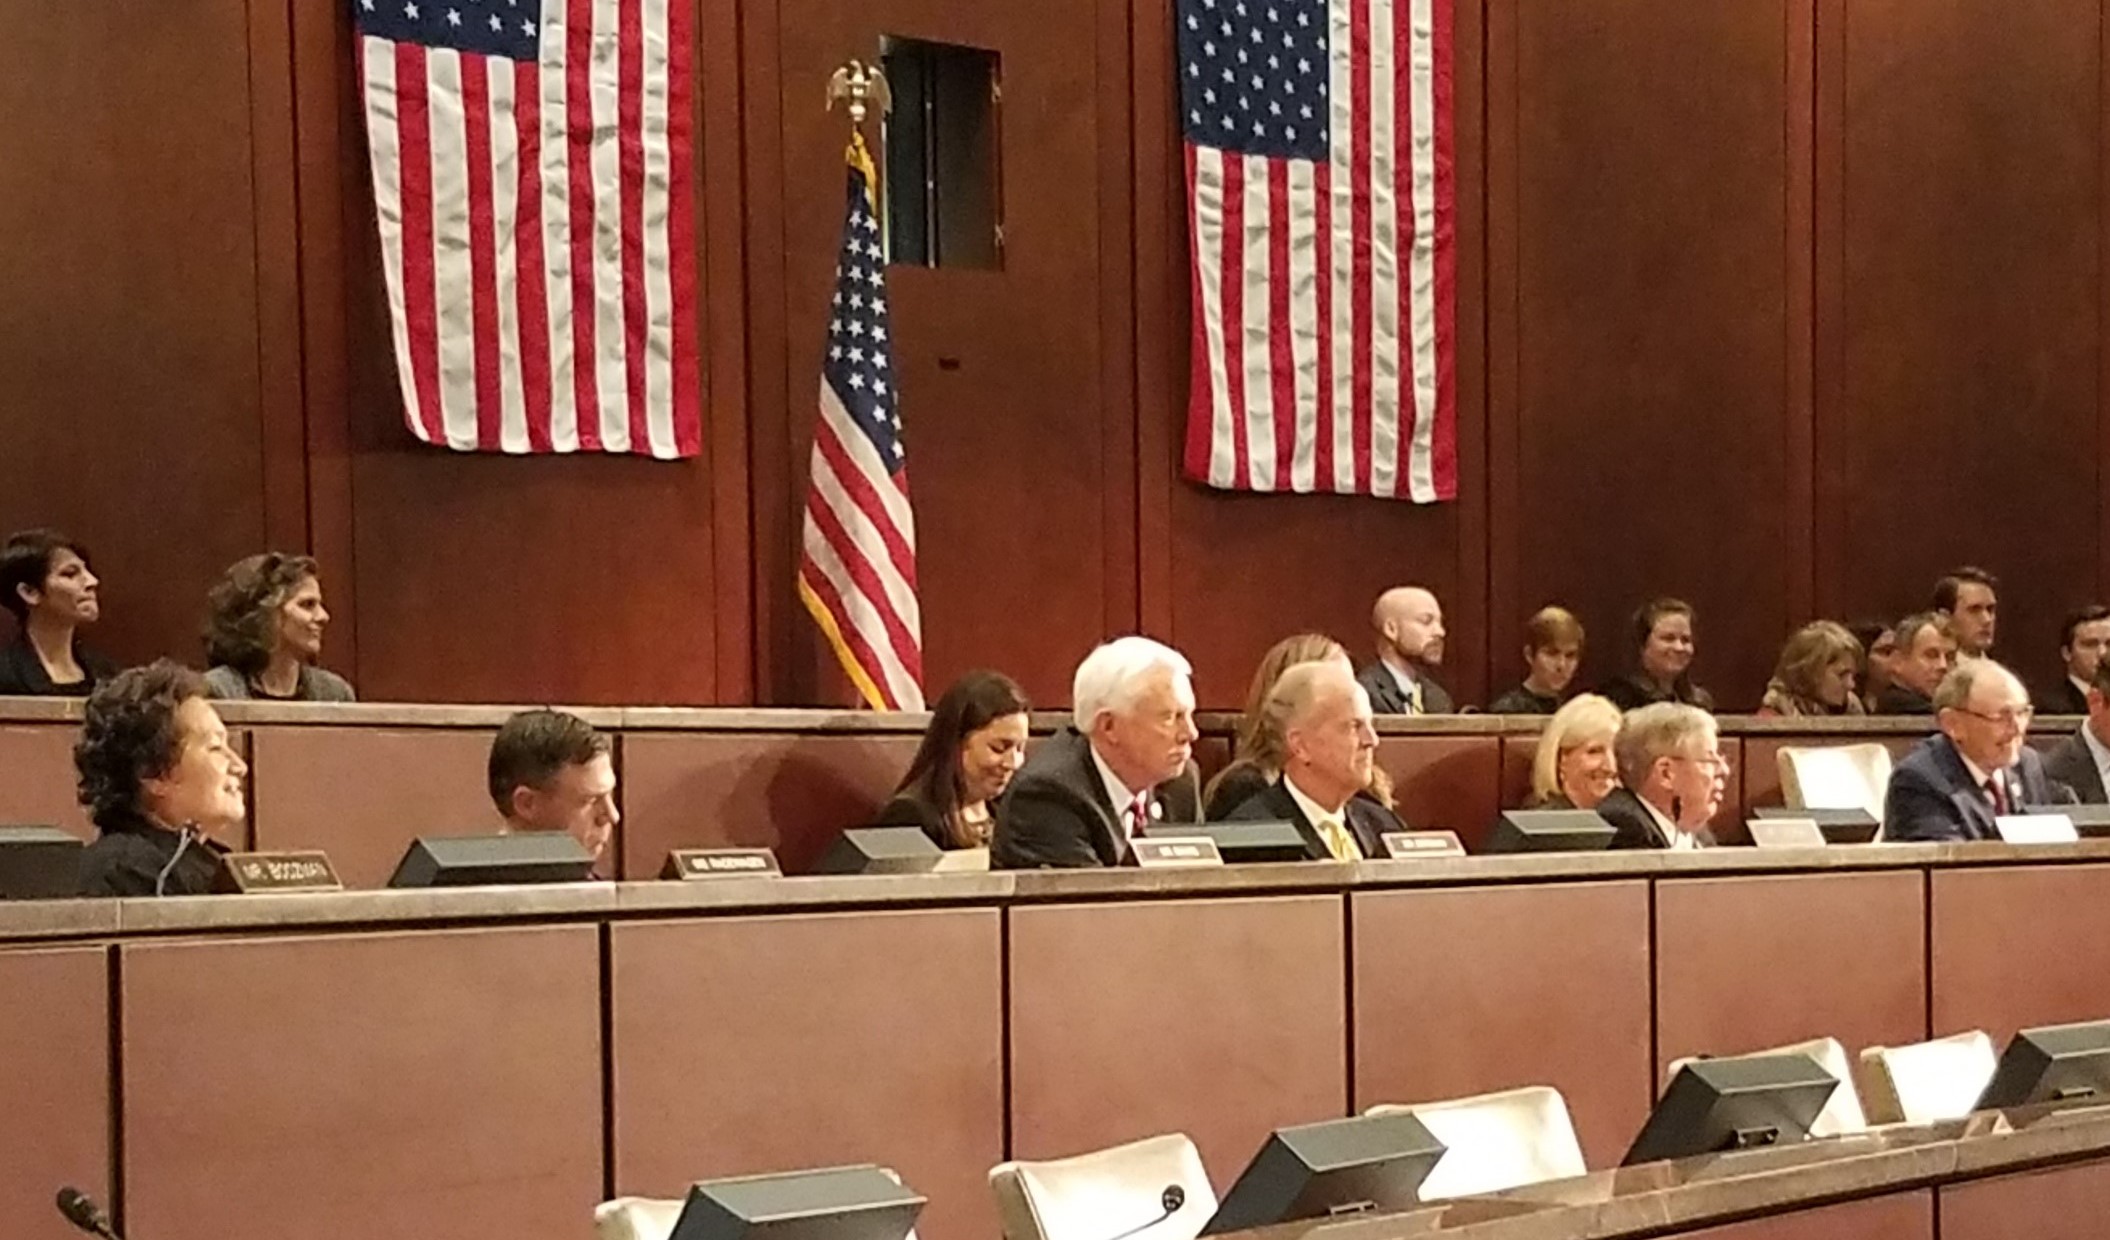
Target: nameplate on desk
1167,851
2036,829
693,863
1785,832
1420,845
252,872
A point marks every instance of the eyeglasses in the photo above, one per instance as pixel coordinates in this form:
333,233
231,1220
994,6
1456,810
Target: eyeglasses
2016,718
1706,759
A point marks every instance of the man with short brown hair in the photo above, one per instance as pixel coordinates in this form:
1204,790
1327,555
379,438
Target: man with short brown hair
551,771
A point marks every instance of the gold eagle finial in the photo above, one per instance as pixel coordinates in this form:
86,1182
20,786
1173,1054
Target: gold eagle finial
862,87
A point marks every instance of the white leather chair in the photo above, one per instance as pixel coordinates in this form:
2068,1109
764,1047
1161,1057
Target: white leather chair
1842,1112
1835,776
1497,1141
1928,1081
1106,1194
635,1218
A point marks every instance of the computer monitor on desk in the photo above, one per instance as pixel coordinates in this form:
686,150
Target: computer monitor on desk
2090,822
1840,826
1715,1106
2068,1064
1549,830
39,863
492,860
1243,843
839,1203
1338,1166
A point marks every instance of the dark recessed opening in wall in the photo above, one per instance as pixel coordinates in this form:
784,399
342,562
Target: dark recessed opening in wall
943,155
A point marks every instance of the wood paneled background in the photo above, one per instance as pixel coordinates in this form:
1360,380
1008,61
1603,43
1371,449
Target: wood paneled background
1780,305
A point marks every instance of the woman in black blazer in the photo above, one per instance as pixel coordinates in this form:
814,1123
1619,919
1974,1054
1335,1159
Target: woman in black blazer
45,582
975,743
1663,654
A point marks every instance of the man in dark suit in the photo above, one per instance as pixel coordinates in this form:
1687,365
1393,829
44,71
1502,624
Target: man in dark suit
1969,599
1671,763
1409,624
1924,653
2082,644
1953,785
1329,742
1125,764
2080,761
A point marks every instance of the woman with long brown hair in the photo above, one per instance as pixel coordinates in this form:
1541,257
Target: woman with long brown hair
975,743
1256,760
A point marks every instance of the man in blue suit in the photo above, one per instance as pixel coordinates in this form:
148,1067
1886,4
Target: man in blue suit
1955,783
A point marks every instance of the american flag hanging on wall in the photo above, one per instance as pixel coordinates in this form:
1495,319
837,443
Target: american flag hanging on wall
857,572
1319,196
532,169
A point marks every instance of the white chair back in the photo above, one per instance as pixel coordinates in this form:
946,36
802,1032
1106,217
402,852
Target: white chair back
1106,1193
1835,776
1928,1081
635,1218
961,859
1497,1141
1842,1113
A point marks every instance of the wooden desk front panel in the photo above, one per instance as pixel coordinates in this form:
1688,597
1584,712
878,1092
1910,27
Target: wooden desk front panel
2062,1203
1222,1019
37,783
1901,1216
363,794
1747,963
1470,991
776,1043
54,1085
2020,947
364,1087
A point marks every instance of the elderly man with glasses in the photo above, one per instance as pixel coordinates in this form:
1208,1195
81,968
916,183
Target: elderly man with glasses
1674,774
1955,784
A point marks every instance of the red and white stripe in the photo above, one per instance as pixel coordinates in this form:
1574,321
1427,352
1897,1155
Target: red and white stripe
537,232
1323,290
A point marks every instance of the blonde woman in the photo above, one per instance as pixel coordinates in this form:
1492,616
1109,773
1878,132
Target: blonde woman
1577,765
1256,760
1816,674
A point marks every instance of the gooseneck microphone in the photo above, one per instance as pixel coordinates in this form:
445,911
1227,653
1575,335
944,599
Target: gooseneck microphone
81,1211
1170,1200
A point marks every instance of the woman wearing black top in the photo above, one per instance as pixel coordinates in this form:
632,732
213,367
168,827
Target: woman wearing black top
975,743
160,779
46,583
1663,643
1553,645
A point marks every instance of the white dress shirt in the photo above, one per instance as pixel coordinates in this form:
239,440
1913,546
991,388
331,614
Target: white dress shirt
1678,837
1120,795
1319,816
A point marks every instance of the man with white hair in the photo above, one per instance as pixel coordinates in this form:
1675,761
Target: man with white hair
1409,625
1955,784
1328,743
1124,765
1674,774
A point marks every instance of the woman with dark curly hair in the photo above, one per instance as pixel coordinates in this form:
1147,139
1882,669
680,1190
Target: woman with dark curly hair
265,633
160,779
46,584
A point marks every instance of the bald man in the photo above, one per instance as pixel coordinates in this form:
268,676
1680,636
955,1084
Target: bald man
1323,717
1953,785
1409,625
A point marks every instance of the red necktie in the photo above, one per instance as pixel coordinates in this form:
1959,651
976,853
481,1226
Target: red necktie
1138,814
1998,794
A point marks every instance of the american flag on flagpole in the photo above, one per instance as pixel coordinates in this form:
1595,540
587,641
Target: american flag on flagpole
857,574
1318,149
532,164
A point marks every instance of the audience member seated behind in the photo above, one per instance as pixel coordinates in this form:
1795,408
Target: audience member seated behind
1815,676
1329,744
160,780
551,771
45,582
1925,653
1880,643
1553,646
2082,761
1124,765
1955,783
1968,598
1663,643
2082,642
974,745
1409,624
1576,766
1671,763
264,632
1256,759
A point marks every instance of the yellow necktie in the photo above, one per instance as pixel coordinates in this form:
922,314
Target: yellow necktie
1338,841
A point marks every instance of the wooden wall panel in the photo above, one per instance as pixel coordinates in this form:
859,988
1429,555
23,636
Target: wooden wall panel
1969,225
364,1086
1900,1216
1651,279
131,326
363,794
2019,947
1445,783
774,1044
55,1096
2061,1203
40,786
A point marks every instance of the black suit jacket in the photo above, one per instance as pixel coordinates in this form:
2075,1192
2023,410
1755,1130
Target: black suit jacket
910,809
1367,820
1057,815
2062,699
2072,764
1932,796
1387,699
1901,700
22,672
1636,826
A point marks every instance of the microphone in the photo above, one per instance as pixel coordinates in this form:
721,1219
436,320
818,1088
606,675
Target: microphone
81,1211
1170,1200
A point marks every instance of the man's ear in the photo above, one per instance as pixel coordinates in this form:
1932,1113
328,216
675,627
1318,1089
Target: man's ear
521,803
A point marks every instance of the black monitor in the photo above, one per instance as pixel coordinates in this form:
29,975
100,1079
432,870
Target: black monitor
1840,826
2090,822
839,1203
1338,1166
39,863
1244,842
1717,1105
492,860
2052,1063
1549,830
880,850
